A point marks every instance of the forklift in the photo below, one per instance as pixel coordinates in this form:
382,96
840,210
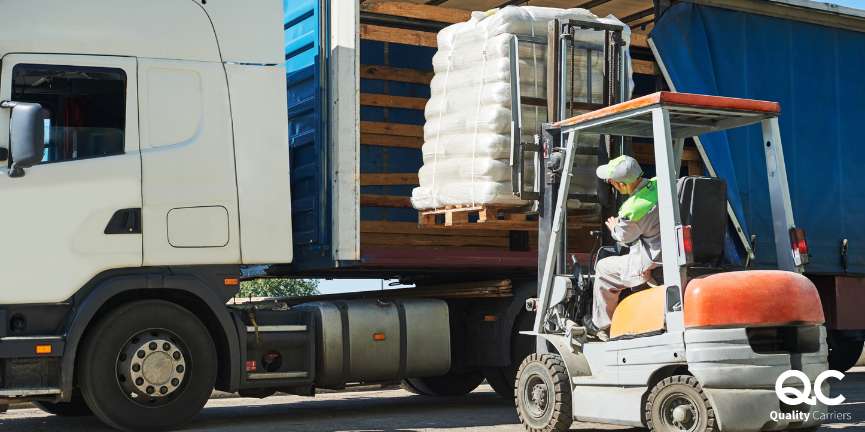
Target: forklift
702,350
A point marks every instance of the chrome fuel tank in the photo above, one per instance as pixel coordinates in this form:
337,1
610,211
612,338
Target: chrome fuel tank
374,341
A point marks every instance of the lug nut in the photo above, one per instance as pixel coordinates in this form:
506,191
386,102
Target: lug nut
139,381
180,369
176,355
140,354
152,346
175,382
136,367
163,390
150,390
166,346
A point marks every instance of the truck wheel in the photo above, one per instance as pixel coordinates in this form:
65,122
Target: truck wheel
74,408
843,352
446,385
147,365
678,404
543,394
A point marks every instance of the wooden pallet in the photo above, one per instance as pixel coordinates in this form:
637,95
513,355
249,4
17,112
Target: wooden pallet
478,216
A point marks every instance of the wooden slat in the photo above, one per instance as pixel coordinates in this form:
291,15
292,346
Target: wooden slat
388,179
391,141
639,40
645,154
644,67
396,129
389,101
402,240
390,73
412,228
418,11
398,35
392,201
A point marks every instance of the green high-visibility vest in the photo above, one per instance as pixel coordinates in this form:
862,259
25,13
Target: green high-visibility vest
640,203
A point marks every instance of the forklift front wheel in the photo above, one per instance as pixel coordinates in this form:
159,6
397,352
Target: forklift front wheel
543,394
678,404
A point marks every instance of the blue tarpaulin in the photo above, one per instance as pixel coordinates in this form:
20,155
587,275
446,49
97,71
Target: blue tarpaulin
815,72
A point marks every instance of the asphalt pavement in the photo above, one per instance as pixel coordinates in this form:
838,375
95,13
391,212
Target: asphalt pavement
380,410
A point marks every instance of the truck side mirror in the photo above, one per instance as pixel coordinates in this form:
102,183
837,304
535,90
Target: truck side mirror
26,135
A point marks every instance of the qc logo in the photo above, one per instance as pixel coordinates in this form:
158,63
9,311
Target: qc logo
794,396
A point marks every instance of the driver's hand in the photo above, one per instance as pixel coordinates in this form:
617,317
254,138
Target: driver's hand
612,222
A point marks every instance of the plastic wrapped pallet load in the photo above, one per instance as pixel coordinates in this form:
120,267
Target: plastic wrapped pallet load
467,134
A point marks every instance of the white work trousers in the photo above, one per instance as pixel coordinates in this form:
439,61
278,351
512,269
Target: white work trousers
610,275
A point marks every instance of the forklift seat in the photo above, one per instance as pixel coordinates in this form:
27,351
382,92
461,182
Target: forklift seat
703,206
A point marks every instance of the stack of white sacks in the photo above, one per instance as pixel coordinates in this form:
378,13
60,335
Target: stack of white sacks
467,135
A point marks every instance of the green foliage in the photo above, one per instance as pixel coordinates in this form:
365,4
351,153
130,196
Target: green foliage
278,288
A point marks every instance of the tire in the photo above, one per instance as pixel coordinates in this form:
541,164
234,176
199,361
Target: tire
445,385
678,403
543,394
843,352
171,382
76,407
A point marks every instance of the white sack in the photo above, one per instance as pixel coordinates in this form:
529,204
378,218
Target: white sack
467,134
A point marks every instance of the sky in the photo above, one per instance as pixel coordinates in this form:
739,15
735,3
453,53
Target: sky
349,285
858,4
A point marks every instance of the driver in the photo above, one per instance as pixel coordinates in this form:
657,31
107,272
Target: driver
637,226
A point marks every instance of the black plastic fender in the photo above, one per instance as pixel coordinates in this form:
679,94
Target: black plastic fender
111,287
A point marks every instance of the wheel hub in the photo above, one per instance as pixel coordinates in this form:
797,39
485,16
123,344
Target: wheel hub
151,367
536,397
539,396
680,413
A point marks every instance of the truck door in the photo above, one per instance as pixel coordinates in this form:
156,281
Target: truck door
78,212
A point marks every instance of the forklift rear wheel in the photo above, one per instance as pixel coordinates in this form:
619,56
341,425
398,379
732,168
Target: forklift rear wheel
76,407
147,365
843,352
678,404
543,394
452,384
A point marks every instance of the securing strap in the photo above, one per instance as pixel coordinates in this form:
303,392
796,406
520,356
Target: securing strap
640,203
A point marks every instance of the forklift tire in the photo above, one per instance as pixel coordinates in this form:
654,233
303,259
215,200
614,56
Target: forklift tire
147,365
446,385
678,404
74,408
543,394
843,352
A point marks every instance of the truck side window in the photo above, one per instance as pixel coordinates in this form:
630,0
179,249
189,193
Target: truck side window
86,106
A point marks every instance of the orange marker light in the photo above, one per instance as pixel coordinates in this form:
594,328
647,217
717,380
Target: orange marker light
490,318
231,281
43,349
378,337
